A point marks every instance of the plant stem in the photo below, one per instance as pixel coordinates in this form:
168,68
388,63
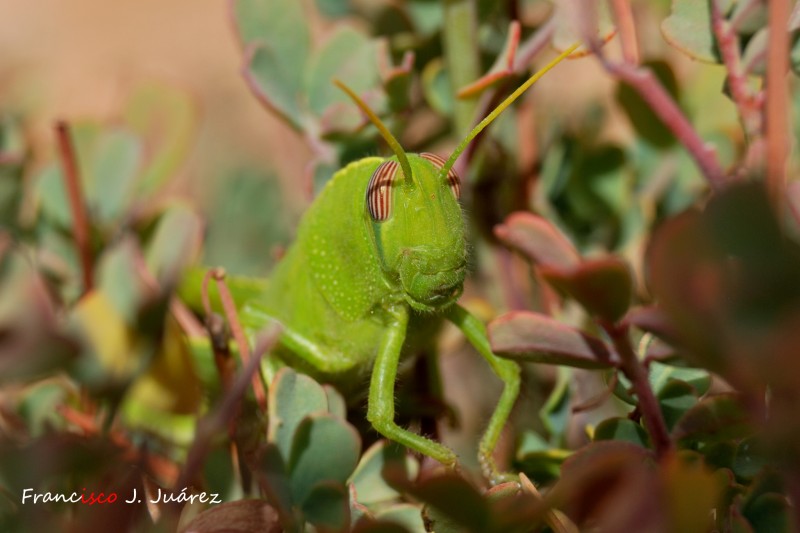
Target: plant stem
647,85
238,334
80,221
777,108
221,417
636,373
745,101
623,16
461,56
644,82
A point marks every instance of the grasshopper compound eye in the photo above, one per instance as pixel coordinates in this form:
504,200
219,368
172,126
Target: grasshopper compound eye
379,190
452,178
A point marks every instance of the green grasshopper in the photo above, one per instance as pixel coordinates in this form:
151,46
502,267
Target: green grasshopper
382,247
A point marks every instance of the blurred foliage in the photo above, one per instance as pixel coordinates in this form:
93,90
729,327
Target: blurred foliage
623,260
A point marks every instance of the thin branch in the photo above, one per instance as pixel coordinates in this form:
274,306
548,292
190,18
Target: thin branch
220,419
623,16
80,220
636,373
647,85
238,333
190,325
777,105
644,82
219,336
743,97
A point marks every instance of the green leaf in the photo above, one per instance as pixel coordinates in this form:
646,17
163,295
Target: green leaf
539,459
108,164
175,244
406,515
428,17
621,429
327,506
750,458
527,336
119,280
334,8
370,484
53,196
112,174
556,412
675,398
246,244
324,448
39,406
436,87
277,36
292,397
336,404
768,481
274,469
769,512
661,375
350,56
688,28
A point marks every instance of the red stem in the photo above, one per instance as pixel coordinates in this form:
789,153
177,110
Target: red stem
637,374
80,220
222,416
238,333
745,101
647,85
623,16
777,108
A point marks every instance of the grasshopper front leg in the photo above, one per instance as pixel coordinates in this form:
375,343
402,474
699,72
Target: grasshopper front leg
380,411
508,371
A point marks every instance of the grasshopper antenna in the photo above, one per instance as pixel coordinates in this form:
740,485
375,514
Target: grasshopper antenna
385,133
500,108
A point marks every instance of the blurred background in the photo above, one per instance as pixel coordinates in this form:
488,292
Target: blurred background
85,59
198,144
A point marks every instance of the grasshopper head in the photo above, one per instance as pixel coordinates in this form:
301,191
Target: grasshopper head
419,230
412,201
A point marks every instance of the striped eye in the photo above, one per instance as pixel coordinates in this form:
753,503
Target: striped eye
452,178
379,190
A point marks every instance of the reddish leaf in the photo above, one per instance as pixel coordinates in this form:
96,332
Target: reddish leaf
233,517
716,418
653,320
538,240
604,287
537,338
613,485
